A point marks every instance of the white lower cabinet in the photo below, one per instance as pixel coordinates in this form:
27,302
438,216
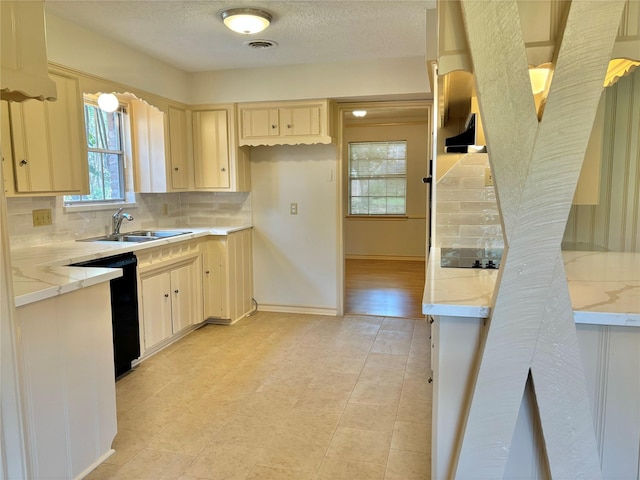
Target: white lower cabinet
170,294
228,277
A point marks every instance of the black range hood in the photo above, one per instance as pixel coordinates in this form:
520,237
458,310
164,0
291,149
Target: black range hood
466,141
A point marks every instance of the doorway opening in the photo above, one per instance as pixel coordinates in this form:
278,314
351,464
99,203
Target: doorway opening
384,238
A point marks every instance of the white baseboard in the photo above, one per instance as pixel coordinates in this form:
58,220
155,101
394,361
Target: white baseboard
95,464
385,257
297,309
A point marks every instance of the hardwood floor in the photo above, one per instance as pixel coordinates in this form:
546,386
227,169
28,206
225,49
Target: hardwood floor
390,288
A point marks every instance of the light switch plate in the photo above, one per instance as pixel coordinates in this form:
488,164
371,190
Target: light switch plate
293,209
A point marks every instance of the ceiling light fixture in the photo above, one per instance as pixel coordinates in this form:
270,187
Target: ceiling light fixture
108,102
246,20
359,113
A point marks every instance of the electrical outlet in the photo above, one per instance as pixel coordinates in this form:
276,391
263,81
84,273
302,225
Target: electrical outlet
488,177
293,209
41,217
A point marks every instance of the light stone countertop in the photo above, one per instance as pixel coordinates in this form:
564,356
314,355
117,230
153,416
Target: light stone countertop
604,288
41,272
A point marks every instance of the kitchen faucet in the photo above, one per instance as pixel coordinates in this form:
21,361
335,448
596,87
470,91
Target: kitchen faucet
116,220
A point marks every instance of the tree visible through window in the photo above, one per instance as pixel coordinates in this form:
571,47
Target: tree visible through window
105,156
377,178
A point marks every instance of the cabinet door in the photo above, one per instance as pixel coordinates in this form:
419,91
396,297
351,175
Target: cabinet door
213,280
178,149
303,120
183,298
48,141
156,308
239,276
211,149
5,146
260,122
147,126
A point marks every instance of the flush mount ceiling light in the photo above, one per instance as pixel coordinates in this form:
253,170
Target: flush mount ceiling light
359,113
108,102
246,20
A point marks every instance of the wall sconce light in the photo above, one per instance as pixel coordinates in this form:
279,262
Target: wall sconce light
246,20
108,102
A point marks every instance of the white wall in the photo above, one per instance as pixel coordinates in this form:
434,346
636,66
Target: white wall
391,237
294,256
406,77
81,49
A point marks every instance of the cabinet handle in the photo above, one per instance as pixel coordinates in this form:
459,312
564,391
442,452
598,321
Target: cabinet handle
176,169
289,125
273,126
430,380
23,163
175,291
166,295
431,320
207,272
223,169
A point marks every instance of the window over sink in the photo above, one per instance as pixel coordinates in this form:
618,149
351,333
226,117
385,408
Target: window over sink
104,132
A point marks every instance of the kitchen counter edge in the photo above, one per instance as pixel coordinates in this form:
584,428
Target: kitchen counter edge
42,272
604,288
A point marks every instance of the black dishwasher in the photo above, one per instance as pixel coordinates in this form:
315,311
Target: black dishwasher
124,309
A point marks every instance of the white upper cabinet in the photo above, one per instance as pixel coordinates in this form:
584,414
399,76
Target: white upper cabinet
147,131
287,123
219,164
24,52
178,151
49,151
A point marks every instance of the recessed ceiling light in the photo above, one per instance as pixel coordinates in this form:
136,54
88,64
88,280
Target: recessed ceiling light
359,113
246,20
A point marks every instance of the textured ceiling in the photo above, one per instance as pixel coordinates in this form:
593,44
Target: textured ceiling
190,35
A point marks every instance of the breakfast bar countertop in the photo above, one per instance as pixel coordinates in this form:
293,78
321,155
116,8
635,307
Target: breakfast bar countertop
41,272
604,288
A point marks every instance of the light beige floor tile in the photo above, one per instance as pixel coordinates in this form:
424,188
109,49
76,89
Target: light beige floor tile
344,363
333,377
246,431
332,398
377,375
399,324
154,465
104,472
411,437
419,389
340,469
298,453
393,347
225,461
260,472
386,361
394,335
302,418
408,466
187,435
127,444
372,394
360,445
416,411
368,417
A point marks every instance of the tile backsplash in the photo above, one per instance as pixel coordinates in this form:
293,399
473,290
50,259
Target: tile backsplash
466,210
168,210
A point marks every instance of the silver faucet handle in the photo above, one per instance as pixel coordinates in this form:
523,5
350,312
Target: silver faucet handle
115,215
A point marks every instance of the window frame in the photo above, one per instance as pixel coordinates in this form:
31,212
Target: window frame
127,197
385,215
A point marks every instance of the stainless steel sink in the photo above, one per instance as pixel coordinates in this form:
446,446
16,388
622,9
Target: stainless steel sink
136,237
